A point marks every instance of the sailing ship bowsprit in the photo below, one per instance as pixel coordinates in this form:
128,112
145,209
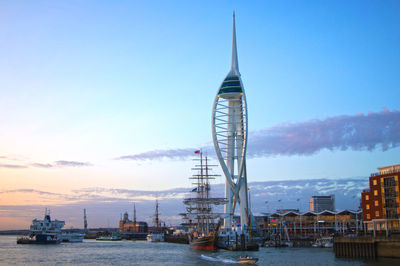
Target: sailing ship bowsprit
200,215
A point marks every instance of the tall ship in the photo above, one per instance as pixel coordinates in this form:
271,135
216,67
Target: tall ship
157,235
200,215
44,231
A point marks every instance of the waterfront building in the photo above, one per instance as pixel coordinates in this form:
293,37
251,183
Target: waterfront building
381,202
126,225
229,132
321,203
312,223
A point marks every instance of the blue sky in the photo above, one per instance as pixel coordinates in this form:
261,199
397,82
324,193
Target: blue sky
90,81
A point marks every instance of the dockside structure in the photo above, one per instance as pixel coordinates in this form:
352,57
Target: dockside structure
312,223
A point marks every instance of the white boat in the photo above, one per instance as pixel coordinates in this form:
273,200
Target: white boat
44,231
324,242
155,237
72,237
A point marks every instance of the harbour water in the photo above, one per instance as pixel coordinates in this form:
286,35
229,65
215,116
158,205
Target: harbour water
92,252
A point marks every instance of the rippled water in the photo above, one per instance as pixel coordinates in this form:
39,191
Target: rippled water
92,252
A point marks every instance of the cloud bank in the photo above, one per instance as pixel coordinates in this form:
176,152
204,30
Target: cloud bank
358,132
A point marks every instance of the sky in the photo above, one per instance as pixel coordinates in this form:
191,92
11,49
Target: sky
118,94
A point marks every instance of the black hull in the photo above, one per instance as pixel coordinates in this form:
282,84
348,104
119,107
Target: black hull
38,239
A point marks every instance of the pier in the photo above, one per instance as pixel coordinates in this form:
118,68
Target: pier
366,247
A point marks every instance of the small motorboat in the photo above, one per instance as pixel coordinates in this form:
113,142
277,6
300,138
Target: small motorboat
247,260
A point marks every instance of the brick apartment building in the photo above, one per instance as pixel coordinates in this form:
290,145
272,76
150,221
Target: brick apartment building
380,203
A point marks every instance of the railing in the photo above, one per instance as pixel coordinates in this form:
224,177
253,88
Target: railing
386,172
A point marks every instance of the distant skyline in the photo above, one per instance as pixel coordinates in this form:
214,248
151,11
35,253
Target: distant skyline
102,94
104,206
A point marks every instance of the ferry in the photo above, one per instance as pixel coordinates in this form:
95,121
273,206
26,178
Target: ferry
44,231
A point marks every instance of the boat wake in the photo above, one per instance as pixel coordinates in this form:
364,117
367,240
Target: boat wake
227,261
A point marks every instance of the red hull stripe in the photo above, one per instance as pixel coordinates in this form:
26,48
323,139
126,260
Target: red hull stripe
197,247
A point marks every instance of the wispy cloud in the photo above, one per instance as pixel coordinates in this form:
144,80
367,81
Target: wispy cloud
55,164
61,164
356,132
12,166
29,190
72,163
42,165
160,154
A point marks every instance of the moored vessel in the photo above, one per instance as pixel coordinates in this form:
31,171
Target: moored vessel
157,235
44,231
203,242
201,218
113,237
72,237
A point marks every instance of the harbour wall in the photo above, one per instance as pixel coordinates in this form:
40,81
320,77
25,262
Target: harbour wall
366,247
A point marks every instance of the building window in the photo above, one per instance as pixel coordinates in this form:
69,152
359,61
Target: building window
392,214
374,182
375,192
390,192
391,203
366,197
376,203
377,213
389,182
367,206
368,216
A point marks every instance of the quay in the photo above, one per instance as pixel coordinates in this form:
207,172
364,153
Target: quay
367,247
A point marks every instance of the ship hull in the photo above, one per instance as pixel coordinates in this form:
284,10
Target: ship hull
39,239
204,243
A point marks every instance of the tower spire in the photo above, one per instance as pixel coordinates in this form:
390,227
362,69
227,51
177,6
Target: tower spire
234,60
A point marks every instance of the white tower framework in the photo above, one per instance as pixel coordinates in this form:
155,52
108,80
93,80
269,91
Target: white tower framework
229,130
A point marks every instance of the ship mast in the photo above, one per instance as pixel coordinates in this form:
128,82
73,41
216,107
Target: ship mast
199,207
156,219
84,220
134,216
